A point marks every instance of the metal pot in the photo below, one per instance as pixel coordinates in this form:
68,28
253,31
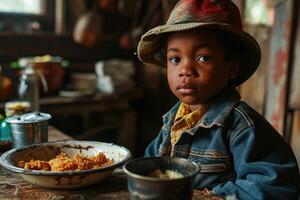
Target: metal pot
49,70
143,186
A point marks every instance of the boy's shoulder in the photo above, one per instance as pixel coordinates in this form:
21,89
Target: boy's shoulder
243,117
244,113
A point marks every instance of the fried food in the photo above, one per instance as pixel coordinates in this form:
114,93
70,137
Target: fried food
62,162
35,164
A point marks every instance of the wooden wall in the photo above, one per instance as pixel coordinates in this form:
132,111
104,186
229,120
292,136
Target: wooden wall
274,90
254,90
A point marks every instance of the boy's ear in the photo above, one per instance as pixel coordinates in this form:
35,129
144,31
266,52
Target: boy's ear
234,69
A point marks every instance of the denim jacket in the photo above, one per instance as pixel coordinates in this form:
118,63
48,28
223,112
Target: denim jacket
238,151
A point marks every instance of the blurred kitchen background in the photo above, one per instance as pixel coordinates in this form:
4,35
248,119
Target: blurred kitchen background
94,87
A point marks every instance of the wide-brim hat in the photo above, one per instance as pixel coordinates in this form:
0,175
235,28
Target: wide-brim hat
222,15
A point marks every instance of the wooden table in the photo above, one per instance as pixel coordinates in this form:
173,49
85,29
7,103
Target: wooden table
13,187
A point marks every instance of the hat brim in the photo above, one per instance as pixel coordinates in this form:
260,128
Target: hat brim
150,46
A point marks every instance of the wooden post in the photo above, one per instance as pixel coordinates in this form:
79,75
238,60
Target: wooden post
294,102
127,132
60,17
295,137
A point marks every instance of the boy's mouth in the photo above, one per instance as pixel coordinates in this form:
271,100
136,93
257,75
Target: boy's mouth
186,89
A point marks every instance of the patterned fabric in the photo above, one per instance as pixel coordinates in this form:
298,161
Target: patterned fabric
184,120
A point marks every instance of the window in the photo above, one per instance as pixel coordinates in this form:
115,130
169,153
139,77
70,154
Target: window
35,7
26,16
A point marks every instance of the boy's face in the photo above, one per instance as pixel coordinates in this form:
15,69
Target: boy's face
197,67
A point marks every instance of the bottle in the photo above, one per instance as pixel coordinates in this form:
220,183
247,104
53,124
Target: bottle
5,136
29,88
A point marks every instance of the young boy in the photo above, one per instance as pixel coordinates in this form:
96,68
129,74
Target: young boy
207,54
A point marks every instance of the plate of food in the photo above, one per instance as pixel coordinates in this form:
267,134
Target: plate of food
67,164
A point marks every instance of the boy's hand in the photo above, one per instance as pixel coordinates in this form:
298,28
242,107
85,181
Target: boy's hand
206,194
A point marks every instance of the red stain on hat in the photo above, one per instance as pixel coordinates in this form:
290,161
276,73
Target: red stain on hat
205,7
213,11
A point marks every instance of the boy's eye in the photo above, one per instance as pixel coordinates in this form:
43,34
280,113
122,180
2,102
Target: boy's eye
174,60
203,58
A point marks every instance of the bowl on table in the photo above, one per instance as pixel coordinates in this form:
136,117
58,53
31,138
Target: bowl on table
64,179
160,178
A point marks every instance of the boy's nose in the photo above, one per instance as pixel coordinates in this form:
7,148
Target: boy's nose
186,70
185,73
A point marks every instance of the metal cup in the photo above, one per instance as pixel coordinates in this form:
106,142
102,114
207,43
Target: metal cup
29,128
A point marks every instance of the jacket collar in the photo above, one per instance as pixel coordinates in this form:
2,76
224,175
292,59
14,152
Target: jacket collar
217,113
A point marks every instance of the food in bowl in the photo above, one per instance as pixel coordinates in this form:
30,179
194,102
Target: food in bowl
167,174
64,179
62,162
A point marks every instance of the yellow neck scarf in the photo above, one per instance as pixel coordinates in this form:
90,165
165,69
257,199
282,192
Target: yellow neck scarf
185,119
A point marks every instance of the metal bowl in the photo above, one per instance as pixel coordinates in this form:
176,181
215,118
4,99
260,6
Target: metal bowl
65,179
143,186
